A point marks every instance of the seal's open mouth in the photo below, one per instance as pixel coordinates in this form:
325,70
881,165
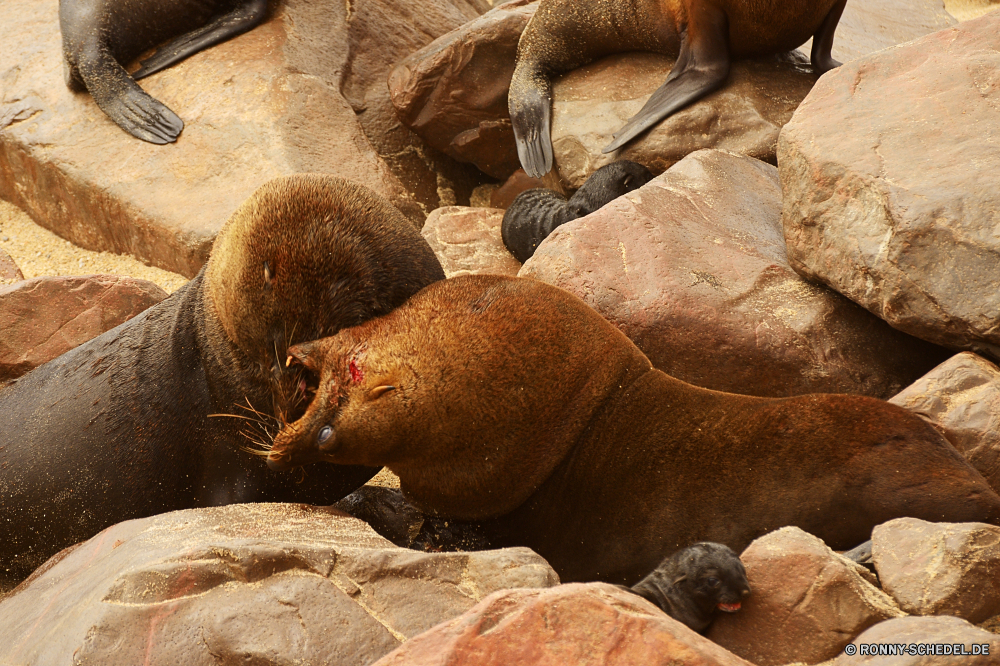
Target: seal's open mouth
305,383
729,608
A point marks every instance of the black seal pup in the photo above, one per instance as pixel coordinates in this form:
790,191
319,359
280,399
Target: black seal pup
511,401
149,417
694,583
704,35
100,37
534,214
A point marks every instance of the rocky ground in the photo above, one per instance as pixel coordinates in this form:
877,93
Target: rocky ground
831,234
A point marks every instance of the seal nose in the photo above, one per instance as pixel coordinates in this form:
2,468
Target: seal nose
745,592
278,463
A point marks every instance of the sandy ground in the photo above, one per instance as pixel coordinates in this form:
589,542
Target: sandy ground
964,10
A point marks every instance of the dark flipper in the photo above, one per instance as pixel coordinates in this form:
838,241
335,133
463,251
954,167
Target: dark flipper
125,102
701,67
530,105
822,48
236,22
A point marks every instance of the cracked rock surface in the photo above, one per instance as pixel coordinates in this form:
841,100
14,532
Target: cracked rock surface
467,241
692,268
262,584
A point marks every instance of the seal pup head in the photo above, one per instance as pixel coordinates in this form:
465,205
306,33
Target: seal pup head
302,258
695,582
461,392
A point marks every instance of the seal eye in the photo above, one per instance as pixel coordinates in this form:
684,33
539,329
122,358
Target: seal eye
324,434
711,580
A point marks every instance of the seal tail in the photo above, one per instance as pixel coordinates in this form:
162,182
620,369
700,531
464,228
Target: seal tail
530,106
121,98
701,67
236,22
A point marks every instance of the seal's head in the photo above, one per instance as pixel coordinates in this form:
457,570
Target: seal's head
695,582
302,258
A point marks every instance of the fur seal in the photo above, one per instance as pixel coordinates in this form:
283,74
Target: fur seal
512,402
101,36
704,35
135,422
536,213
694,583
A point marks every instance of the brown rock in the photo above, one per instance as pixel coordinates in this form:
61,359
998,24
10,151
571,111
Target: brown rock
744,116
592,624
961,397
692,268
45,317
806,605
940,568
924,634
467,241
268,103
253,583
453,92
9,272
885,201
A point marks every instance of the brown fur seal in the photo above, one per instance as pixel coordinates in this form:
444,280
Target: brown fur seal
101,36
512,400
133,422
535,213
694,583
704,35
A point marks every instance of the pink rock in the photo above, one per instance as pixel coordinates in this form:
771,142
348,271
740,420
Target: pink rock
467,241
961,397
883,169
940,568
806,605
251,583
9,272
592,624
692,268
47,316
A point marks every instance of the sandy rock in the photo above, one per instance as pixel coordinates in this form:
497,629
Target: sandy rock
271,102
807,602
940,568
692,268
961,397
45,317
744,116
917,634
265,584
591,624
467,241
9,272
887,198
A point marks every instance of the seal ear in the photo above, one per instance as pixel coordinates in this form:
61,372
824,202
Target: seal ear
379,391
680,579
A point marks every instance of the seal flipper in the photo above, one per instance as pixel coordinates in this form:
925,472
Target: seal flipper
530,106
821,56
236,22
121,98
701,67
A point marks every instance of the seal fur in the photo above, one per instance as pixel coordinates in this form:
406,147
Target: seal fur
100,37
135,422
535,213
704,35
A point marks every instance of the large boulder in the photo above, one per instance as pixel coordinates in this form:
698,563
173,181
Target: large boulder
922,641
274,101
886,169
265,584
592,624
45,317
692,268
807,603
940,568
467,241
961,397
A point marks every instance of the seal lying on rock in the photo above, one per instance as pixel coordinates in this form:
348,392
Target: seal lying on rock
535,213
101,36
137,421
704,35
695,582
510,400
